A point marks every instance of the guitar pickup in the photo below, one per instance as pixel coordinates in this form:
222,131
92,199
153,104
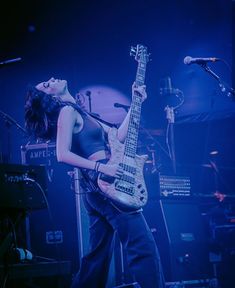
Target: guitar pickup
107,178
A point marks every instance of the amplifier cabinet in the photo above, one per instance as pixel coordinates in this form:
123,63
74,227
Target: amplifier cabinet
181,237
23,187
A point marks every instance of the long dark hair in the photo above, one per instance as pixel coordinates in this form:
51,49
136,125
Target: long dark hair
41,114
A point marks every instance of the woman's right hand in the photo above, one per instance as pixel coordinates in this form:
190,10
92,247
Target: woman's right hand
113,170
139,90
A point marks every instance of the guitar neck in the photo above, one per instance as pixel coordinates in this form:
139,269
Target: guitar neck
135,113
140,74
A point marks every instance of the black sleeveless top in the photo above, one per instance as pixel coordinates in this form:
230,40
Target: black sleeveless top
90,139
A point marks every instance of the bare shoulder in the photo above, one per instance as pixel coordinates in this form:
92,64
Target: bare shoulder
68,113
67,110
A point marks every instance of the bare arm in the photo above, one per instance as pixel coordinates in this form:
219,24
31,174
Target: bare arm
66,122
122,130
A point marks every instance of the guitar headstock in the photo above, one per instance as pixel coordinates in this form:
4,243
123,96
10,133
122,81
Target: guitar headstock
140,53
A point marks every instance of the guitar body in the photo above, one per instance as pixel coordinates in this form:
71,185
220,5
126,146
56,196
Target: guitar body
129,191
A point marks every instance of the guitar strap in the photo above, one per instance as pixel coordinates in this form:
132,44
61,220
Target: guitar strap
80,110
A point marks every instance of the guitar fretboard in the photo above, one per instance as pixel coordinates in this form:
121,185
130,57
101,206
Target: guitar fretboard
133,128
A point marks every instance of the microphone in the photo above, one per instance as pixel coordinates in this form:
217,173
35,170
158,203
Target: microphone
88,93
119,105
10,61
189,60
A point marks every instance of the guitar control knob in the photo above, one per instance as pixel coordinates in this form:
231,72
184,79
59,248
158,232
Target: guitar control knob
139,186
142,191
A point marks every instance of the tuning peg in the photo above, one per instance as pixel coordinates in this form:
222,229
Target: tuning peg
133,51
133,48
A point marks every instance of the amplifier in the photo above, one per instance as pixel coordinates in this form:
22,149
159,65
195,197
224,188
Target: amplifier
172,186
23,186
42,153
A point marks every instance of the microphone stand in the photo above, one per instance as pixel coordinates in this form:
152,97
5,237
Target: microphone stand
9,122
224,87
126,109
88,94
10,61
170,116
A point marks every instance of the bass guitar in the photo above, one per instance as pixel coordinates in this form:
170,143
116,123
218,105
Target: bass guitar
130,190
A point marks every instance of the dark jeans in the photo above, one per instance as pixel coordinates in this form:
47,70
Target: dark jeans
135,236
